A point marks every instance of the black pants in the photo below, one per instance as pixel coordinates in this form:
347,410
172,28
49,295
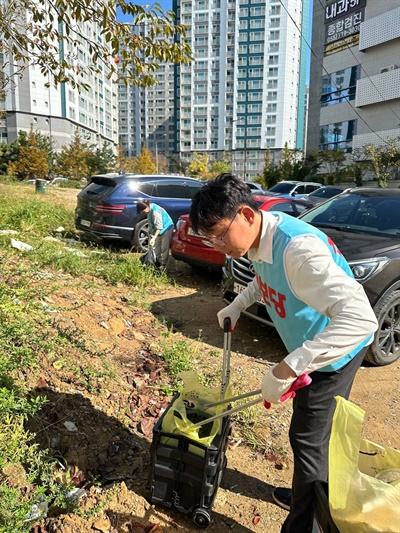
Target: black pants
309,433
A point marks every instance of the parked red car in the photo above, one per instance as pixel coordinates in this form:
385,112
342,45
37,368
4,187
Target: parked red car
189,247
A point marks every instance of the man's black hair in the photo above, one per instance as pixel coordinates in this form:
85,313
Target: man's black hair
219,198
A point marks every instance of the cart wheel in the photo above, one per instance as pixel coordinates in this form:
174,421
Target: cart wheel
201,518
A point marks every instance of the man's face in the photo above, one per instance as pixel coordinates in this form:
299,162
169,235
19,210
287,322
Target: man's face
234,236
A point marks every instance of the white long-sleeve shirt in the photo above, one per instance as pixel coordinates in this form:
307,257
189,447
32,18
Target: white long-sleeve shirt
316,280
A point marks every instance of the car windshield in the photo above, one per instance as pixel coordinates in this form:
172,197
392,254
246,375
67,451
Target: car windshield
368,212
282,188
324,192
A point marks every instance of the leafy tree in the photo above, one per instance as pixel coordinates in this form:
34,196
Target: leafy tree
72,161
270,175
101,160
198,167
384,160
220,167
143,163
32,161
46,144
333,164
41,33
178,165
8,154
289,162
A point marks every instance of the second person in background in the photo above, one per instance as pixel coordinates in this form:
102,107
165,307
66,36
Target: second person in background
161,228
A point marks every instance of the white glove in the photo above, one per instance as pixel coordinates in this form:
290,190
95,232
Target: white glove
231,311
242,301
152,241
274,388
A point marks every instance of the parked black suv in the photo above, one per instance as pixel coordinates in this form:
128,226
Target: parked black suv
365,225
106,208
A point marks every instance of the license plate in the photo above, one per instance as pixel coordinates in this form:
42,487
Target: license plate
85,223
237,288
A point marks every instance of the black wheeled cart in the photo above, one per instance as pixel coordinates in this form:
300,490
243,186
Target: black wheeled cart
185,475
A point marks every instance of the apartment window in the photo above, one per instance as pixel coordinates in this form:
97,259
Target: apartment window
254,108
256,72
254,119
272,72
254,97
253,132
337,136
274,35
257,11
256,60
256,48
255,84
256,36
257,23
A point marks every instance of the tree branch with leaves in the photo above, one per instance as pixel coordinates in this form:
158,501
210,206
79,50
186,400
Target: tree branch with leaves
49,34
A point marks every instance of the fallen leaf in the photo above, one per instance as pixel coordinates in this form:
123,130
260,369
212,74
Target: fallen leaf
146,426
256,520
41,384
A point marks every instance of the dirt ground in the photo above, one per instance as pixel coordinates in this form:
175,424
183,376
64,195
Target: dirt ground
99,424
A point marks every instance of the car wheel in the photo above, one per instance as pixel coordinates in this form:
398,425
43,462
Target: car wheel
141,235
385,348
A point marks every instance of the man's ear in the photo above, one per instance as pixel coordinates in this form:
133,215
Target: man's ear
248,213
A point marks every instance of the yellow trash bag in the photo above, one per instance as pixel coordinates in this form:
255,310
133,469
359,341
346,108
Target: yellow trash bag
359,501
188,409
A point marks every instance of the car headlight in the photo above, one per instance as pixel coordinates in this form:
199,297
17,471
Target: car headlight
363,270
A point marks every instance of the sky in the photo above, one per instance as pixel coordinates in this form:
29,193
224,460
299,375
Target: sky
165,4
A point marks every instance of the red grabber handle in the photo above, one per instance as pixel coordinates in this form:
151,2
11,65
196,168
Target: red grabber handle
299,383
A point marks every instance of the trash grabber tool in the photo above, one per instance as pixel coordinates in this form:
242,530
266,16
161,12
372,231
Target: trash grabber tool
226,360
300,382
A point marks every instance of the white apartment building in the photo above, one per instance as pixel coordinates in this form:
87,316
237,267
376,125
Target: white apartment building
146,115
59,112
355,74
245,91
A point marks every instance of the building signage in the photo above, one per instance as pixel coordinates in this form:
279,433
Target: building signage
339,8
337,46
344,27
